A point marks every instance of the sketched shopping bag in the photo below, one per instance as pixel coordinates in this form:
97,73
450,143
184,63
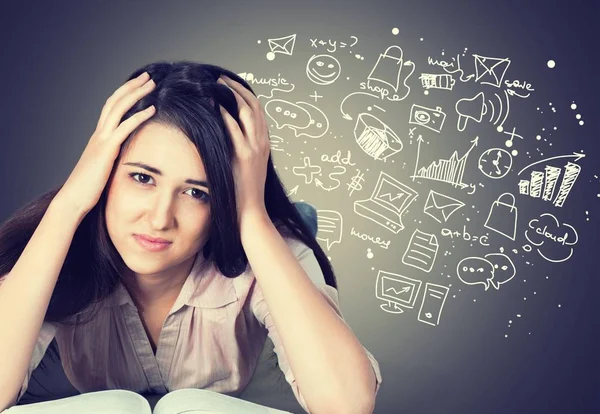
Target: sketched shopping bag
503,216
387,69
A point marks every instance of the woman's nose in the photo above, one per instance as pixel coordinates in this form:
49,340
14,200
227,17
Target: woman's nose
162,214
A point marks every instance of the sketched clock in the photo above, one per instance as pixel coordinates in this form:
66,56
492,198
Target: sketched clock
495,163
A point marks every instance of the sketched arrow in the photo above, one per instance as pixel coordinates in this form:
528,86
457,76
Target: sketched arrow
419,140
513,93
293,191
577,156
345,115
319,184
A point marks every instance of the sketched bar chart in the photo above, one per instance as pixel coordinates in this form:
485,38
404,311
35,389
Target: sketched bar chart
449,170
544,184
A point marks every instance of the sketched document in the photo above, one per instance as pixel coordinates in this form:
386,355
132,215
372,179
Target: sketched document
421,251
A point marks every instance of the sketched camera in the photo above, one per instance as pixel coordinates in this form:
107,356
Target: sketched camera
427,117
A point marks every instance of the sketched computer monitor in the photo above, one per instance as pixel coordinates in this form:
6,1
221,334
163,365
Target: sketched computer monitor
396,291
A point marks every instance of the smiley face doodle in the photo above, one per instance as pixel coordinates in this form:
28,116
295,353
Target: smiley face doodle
323,69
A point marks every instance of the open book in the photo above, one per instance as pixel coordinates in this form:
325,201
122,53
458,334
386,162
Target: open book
186,400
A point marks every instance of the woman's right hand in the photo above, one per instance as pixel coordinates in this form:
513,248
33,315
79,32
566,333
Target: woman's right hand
83,188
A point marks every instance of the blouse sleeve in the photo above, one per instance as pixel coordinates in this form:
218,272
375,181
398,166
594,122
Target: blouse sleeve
46,335
309,263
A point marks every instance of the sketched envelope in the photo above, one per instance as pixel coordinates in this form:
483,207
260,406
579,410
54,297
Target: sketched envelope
284,45
490,70
440,206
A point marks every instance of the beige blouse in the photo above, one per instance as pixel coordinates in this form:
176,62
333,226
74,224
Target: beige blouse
211,338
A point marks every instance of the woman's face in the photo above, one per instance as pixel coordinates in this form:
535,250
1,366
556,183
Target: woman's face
158,203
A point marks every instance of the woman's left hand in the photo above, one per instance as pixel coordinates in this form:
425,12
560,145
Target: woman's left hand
252,149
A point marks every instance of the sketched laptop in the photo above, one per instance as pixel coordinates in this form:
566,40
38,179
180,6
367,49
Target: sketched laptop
388,202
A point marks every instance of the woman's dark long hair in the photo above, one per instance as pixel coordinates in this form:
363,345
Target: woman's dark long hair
186,96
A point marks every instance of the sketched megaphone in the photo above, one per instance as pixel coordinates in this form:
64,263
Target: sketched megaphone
470,108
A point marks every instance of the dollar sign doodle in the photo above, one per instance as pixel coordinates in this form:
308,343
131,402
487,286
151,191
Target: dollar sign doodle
355,184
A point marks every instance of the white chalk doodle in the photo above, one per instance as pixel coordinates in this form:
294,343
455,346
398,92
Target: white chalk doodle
307,170
432,119
494,269
449,171
389,200
375,138
513,134
316,96
297,118
330,225
346,115
437,81
293,191
440,207
387,73
283,45
396,291
465,235
524,86
454,64
545,184
385,244
490,70
552,239
332,43
275,140
432,304
495,163
323,69
421,251
355,183
340,169
502,217
476,107
274,82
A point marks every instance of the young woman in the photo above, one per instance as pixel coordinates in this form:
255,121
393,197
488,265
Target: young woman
171,252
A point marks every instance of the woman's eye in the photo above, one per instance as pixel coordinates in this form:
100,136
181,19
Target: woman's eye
200,195
132,175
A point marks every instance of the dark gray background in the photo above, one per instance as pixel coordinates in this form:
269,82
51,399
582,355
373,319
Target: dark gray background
62,59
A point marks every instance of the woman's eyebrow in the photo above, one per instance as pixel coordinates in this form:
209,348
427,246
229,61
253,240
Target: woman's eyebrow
159,172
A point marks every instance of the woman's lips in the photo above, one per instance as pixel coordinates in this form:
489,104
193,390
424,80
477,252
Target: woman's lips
151,246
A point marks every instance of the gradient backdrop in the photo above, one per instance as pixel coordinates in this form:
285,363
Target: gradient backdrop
530,346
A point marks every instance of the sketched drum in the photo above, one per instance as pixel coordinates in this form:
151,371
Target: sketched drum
376,138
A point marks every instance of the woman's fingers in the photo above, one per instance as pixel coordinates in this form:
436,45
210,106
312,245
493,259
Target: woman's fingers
237,136
126,127
246,112
124,104
123,90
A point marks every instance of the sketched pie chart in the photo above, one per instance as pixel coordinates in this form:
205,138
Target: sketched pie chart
323,69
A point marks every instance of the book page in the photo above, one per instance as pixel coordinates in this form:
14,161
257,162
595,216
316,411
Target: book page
194,400
99,402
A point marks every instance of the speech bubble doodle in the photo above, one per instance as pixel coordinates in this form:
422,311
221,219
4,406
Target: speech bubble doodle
330,226
475,271
285,113
311,122
504,268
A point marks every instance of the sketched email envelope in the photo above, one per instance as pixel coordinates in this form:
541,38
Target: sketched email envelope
489,70
440,206
284,45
